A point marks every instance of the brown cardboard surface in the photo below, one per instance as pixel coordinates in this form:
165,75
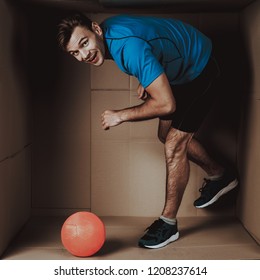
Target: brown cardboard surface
250,20
249,153
4,188
4,118
15,130
250,192
117,80
200,238
15,188
121,171
61,134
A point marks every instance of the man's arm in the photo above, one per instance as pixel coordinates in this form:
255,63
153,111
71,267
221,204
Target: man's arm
161,102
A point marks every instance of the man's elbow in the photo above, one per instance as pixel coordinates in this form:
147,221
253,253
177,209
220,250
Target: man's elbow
168,109
164,107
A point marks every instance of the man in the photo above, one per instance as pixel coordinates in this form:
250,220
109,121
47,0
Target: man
170,59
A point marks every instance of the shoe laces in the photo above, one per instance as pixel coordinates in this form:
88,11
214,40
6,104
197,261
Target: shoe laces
205,185
155,227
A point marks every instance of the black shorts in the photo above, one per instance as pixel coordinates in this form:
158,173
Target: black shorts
195,99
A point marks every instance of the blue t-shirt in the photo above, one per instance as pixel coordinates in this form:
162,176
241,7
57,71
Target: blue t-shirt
145,47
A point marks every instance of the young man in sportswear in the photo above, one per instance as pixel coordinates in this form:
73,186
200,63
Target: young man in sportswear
169,58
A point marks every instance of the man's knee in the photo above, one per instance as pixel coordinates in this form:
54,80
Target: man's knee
162,138
176,144
163,129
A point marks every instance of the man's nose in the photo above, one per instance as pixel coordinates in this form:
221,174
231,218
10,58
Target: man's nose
84,55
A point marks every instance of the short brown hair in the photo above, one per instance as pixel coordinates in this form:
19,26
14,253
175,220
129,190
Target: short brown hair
67,26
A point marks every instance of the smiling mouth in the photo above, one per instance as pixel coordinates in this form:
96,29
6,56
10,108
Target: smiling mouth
92,58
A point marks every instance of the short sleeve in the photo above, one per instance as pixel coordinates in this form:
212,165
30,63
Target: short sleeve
139,61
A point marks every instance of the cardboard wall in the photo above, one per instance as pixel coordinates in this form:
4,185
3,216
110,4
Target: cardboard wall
61,121
249,152
15,128
119,172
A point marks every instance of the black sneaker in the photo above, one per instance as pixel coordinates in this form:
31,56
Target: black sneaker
211,190
159,234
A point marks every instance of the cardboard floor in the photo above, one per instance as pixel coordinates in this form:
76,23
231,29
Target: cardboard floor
200,239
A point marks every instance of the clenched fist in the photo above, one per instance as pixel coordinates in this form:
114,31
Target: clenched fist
110,118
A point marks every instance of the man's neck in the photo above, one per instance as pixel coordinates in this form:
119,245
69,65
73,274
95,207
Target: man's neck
107,52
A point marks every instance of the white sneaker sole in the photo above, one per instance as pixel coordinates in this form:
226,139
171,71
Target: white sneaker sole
228,188
174,237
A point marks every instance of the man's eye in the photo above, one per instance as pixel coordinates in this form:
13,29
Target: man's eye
85,43
74,53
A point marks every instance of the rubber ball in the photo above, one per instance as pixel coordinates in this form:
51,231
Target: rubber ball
83,234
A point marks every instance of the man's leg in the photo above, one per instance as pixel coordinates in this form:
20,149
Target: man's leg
179,148
196,152
164,230
177,168
218,182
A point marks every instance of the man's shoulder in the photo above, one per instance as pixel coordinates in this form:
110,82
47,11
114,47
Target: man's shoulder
115,21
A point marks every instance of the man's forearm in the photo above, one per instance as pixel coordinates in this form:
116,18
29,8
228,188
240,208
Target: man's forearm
145,111
160,102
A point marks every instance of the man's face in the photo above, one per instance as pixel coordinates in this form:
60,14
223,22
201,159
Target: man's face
87,45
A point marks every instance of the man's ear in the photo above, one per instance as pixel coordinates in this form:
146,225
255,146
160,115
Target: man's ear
96,28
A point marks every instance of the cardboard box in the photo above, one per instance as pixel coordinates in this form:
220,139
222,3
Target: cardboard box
54,157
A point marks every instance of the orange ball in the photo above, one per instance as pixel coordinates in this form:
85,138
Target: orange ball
83,234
